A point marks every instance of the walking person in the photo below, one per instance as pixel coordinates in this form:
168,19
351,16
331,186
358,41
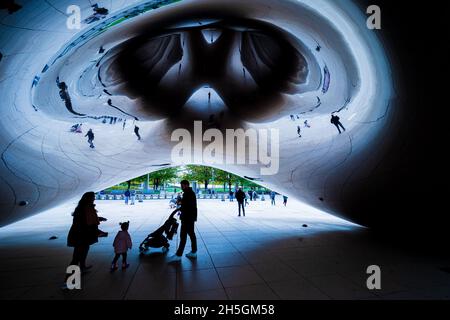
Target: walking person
240,197
299,131
250,194
337,122
188,218
90,135
127,196
272,197
231,195
122,243
136,132
285,199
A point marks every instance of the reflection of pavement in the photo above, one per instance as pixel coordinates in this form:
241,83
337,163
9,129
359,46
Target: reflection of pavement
267,254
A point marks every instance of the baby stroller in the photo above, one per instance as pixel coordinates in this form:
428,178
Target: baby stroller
156,239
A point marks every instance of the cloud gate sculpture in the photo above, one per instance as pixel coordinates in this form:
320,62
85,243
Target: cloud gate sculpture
278,69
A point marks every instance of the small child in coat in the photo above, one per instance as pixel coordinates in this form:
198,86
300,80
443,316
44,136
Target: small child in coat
122,242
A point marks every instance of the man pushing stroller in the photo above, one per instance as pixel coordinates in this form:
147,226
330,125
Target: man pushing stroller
188,217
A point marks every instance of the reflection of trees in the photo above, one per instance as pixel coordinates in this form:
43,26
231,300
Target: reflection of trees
202,174
208,175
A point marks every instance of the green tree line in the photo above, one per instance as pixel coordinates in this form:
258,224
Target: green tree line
202,174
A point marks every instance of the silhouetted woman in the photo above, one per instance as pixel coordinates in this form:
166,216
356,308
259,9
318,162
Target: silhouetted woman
84,230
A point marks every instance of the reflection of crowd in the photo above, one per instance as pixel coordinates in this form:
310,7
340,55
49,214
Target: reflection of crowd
335,120
299,128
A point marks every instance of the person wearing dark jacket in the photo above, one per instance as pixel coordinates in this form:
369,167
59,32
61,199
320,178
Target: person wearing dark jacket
337,122
84,230
240,197
188,218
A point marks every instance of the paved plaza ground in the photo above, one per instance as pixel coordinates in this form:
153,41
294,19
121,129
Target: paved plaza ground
269,254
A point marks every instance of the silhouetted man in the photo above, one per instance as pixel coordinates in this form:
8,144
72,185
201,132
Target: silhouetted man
240,197
336,121
136,132
188,218
90,135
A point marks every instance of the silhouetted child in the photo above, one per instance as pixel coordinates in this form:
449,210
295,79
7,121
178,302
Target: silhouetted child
122,242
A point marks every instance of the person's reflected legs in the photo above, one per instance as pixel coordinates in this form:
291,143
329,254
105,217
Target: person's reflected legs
339,129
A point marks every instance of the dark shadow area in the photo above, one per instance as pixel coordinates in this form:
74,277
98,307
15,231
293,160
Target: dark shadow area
269,66
10,5
314,254
404,199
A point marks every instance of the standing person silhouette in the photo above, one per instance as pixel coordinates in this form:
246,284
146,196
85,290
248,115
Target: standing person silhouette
231,195
337,122
83,231
122,243
188,218
272,198
240,197
127,195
